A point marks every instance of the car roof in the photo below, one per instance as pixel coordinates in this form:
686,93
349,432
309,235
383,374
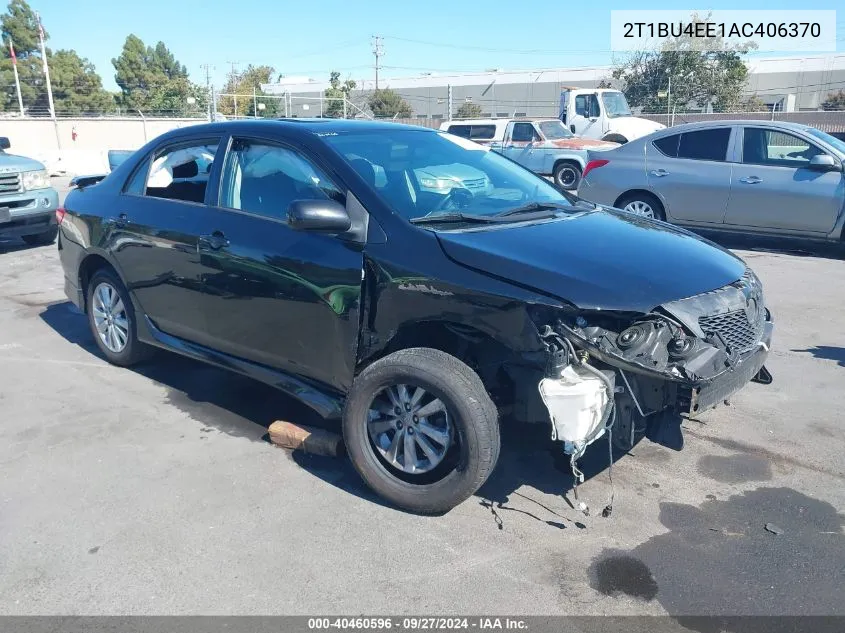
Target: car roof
315,126
783,125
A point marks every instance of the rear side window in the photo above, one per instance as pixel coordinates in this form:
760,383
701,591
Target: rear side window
137,183
668,145
181,172
474,132
705,144
460,130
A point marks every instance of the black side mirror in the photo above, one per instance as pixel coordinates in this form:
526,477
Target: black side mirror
321,216
4,142
824,162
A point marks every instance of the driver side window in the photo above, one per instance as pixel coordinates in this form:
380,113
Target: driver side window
778,149
264,179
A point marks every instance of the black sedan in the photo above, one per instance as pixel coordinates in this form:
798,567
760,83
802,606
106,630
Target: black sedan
414,285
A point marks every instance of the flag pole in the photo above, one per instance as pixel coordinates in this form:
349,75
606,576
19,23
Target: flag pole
46,67
17,78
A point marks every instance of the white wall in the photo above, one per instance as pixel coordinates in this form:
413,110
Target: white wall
53,144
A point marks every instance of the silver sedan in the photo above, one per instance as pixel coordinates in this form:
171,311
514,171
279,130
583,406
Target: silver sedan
765,177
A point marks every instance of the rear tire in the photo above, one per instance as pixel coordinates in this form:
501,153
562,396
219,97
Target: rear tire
642,203
567,176
111,318
468,428
42,239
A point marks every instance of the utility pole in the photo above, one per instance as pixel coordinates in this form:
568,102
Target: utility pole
449,102
378,51
207,69
234,85
254,103
46,67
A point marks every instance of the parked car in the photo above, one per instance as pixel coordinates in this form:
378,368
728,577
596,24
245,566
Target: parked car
416,319
544,146
28,201
602,113
764,177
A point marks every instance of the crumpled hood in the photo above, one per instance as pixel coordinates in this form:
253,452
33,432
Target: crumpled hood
632,127
14,163
608,260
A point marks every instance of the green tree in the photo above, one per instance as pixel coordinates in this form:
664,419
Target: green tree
19,25
387,104
701,71
153,81
242,85
77,88
468,110
336,91
834,101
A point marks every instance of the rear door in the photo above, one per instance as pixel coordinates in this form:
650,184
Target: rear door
284,298
154,234
775,189
690,172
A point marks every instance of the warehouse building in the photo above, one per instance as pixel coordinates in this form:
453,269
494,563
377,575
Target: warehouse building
785,84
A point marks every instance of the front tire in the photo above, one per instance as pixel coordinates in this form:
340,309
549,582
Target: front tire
111,318
421,430
42,239
567,176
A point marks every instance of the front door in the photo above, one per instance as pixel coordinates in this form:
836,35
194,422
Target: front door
284,298
691,174
521,145
586,119
774,188
153,235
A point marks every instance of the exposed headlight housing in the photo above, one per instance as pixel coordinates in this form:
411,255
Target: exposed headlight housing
38,179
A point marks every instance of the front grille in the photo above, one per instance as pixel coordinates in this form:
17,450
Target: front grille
10,183
734,327
475,183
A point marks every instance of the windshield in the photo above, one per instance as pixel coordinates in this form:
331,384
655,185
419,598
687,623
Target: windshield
836,143
422,173
554,130
615,104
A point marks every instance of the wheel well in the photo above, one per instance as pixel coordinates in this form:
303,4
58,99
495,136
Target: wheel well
568,161
641,192
483,354
90,265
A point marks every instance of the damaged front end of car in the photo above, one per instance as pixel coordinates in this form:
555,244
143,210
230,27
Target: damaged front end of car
640,374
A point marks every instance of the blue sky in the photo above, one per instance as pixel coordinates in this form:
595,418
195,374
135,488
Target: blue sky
300,38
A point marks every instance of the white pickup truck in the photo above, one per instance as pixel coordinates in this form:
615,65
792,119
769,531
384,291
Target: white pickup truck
602,113
544,146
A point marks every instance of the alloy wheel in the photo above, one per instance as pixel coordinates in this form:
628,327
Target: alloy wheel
567,177
640,208
409,428
110,318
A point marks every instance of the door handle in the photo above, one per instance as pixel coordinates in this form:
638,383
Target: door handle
659,172
215,241
751,180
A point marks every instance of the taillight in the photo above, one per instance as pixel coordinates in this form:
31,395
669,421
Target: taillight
60,214
594,164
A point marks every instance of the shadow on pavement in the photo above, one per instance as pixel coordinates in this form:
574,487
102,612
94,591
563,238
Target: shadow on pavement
826,352
782,246
243,407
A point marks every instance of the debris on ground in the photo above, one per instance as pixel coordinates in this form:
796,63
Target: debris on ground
306,439
771,527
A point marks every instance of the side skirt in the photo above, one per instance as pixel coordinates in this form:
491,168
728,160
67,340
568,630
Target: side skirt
323,400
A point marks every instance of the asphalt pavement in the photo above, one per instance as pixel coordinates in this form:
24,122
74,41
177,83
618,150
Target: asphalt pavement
153,490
